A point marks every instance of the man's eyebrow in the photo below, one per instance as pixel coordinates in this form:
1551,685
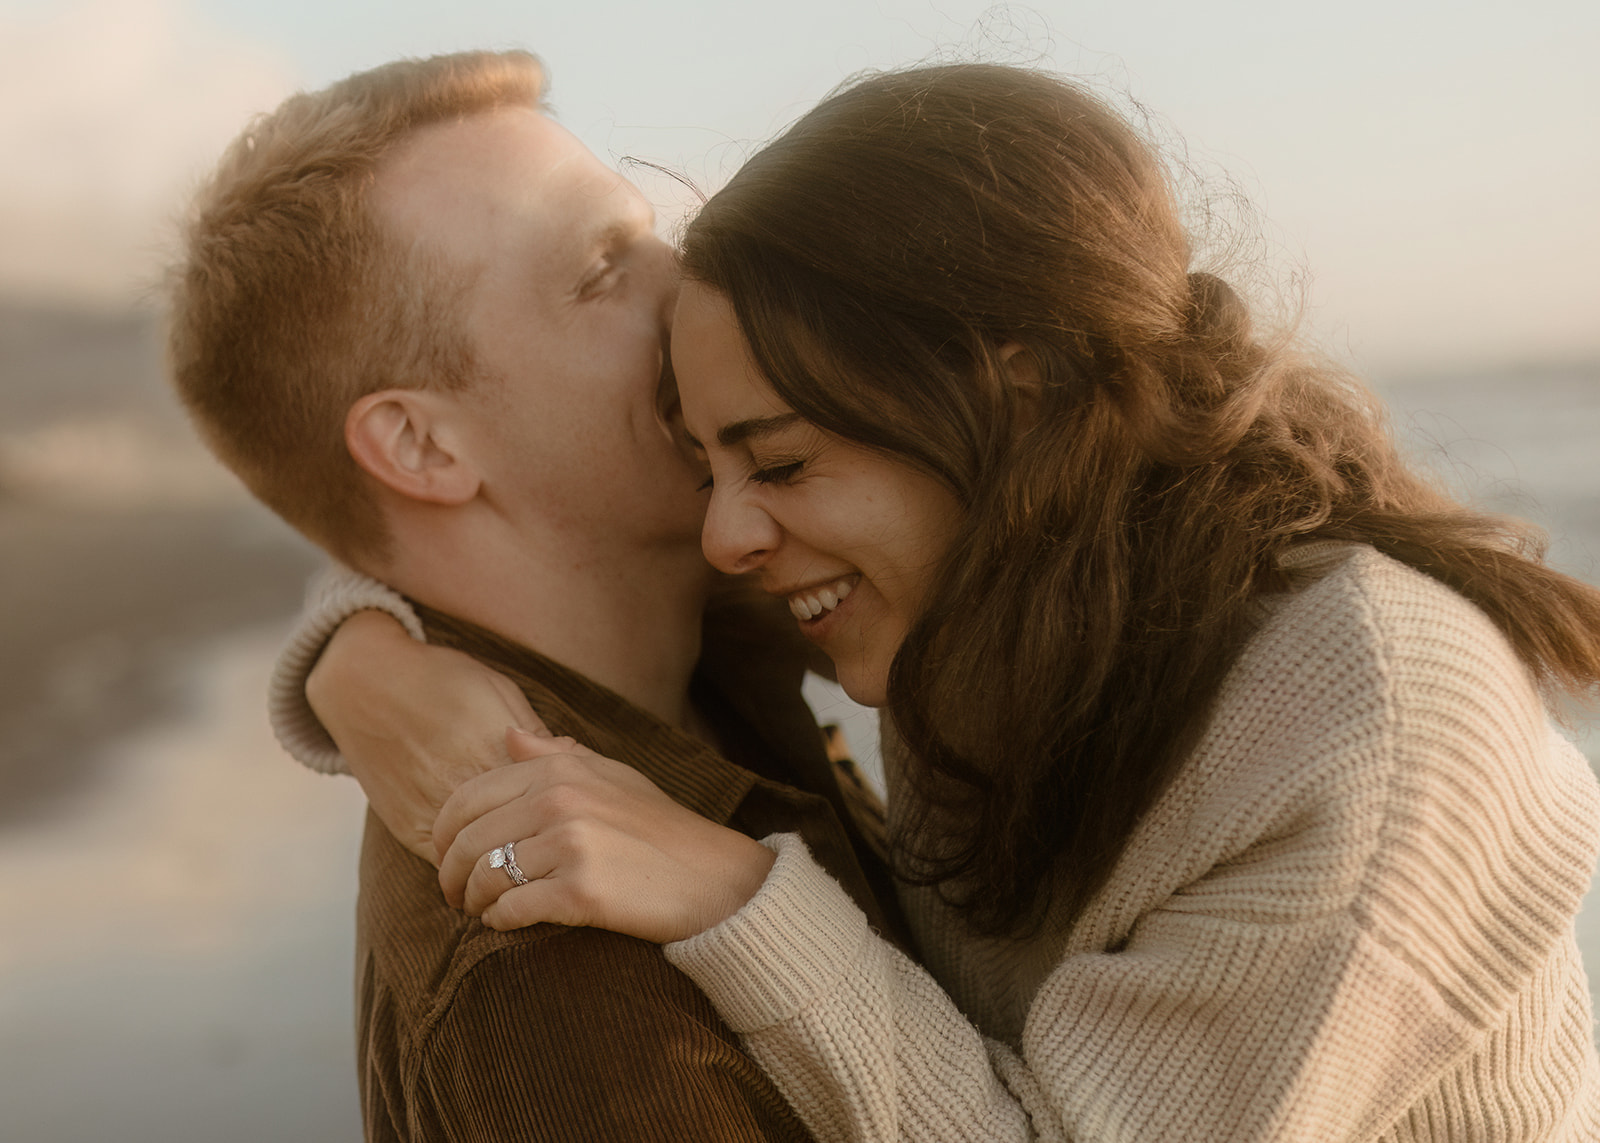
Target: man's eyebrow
609,235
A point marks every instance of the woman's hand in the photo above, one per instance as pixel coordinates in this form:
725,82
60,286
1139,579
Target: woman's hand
600,844
413,721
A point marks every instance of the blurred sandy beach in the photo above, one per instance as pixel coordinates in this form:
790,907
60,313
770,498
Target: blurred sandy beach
176,958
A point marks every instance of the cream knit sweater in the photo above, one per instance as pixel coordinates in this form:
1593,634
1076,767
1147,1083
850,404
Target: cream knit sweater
1350,918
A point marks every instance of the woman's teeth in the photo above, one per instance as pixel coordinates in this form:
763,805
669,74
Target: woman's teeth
810,604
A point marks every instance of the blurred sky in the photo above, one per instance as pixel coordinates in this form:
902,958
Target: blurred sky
1434,164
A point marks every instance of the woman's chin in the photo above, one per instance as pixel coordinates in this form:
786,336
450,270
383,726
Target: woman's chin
867,687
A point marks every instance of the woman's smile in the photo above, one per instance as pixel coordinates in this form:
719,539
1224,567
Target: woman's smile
811,604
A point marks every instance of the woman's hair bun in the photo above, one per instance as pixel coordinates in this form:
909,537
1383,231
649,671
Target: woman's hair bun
1216,312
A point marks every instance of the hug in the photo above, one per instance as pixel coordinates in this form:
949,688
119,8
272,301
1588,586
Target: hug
1223,801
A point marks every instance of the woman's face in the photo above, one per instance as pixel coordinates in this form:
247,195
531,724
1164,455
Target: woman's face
849,538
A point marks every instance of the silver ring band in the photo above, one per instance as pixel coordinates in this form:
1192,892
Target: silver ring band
511,865
506,858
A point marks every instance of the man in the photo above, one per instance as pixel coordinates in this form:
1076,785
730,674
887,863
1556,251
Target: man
425,325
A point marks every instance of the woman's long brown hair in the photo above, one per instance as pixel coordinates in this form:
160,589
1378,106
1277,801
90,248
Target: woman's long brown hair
883,257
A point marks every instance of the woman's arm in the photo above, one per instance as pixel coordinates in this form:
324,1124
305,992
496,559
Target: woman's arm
1354,905
333,595
863,1042
356,689
412,721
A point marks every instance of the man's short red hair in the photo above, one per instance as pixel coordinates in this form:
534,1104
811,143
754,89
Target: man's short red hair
290,302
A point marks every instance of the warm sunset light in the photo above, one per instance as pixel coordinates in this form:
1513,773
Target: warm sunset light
1412,181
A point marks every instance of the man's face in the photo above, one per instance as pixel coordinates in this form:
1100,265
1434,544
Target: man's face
567,309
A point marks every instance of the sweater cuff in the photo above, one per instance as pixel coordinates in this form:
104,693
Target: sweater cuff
790,943
333,595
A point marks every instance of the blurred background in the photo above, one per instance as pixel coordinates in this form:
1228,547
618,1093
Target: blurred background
175,895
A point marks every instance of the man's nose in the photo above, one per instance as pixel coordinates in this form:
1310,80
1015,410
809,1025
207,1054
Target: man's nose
739,536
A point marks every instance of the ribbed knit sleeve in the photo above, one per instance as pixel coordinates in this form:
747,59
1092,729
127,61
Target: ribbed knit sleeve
862,1042
332,596
1350,918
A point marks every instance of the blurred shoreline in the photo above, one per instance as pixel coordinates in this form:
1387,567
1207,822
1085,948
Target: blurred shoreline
125,547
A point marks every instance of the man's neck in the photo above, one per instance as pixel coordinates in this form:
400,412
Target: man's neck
626,618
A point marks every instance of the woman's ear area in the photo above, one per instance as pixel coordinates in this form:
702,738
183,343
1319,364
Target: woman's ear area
1019,369
407,440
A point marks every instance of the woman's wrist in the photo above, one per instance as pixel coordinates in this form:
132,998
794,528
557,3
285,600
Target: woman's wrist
794,939
744,870
360,641
333,596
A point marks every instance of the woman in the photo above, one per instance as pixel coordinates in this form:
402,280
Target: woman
1222,788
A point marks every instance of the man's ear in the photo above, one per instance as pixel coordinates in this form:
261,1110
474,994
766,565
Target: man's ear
408,440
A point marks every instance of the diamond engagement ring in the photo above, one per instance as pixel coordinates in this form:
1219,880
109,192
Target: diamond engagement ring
506,858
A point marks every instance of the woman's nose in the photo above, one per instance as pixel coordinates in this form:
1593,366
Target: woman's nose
738,536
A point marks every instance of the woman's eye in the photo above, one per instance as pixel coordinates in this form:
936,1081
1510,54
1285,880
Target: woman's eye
776,475
706,483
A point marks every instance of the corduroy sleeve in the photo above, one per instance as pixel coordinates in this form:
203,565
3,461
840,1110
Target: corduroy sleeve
589,1035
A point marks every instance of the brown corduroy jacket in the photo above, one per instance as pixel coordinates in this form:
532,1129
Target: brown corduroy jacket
556,1033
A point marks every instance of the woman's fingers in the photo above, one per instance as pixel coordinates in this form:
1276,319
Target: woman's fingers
522,800
474,798
555,869
517,819
577,873
525,745
596,842
543,901
498,872
522,715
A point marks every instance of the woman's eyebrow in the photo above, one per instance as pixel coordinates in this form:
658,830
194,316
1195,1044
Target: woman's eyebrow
740,431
